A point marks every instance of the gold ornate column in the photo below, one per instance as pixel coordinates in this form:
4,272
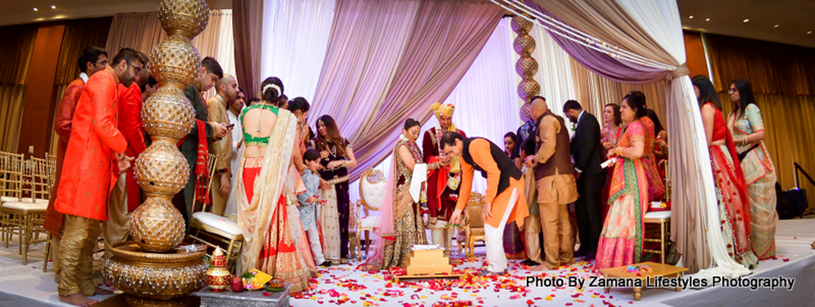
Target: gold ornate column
151,266
526,67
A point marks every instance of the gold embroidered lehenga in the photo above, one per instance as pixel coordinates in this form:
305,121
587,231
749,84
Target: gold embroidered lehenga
399,227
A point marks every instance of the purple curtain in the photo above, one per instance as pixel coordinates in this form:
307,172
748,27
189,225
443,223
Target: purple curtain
390,60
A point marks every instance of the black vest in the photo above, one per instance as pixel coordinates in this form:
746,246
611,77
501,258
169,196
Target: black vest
505,164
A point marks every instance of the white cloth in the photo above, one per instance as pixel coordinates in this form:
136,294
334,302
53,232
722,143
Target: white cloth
84,77
237,136
494,238
419,176
289,56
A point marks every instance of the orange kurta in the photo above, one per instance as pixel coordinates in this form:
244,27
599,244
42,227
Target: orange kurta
62,126
87,175
480,151
130,124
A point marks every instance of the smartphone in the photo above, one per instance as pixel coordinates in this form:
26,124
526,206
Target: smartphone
230,126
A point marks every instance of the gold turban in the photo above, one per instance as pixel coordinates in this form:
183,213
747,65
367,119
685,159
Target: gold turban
447,110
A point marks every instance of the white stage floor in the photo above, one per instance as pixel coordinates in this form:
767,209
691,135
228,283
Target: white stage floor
28,286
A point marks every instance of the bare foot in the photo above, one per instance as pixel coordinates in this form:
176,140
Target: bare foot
102,291
77,300
542,267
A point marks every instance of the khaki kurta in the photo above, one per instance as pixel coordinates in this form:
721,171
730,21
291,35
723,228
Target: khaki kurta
217,107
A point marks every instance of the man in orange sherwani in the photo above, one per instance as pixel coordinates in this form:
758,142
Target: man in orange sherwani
125,195
92,60
89,173
505,200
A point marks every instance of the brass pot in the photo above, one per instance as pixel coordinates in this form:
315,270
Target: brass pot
185,17
162,169
156,225
168,114
158,276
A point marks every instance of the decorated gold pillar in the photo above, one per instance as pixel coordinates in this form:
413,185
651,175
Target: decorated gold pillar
151,266
526,67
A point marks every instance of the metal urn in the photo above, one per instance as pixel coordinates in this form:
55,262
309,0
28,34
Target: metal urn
151,266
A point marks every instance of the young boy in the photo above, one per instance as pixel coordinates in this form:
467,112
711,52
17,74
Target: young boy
307,202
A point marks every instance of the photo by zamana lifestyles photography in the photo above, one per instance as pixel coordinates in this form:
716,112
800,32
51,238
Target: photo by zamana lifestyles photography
410,153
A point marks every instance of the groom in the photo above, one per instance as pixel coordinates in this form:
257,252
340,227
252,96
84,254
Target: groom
505,199
587,154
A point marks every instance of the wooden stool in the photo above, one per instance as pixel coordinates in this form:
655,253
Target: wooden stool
657,269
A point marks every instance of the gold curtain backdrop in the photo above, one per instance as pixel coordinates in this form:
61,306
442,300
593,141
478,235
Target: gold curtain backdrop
16,52
783,79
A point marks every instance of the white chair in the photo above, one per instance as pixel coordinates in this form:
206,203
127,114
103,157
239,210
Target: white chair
372,192
216,227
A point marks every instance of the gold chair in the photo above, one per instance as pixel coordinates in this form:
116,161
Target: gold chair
217,227
372,186
10,189
28,213
473,225
662,220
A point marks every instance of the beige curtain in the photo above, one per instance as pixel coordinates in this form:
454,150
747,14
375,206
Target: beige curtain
142,31
595,91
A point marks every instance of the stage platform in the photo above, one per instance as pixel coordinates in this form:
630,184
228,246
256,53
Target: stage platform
28,286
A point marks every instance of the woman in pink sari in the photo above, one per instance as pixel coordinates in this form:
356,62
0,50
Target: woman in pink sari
656,188
621,238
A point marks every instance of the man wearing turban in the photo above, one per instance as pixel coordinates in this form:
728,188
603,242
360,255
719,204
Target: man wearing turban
443,184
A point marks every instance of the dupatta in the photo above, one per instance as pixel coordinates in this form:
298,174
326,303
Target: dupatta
254,216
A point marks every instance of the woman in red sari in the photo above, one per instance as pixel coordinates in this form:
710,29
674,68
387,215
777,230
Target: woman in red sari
269,140
731,190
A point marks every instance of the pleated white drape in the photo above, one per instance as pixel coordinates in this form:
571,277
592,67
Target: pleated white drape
295,38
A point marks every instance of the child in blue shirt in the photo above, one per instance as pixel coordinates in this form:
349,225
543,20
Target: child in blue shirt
308,201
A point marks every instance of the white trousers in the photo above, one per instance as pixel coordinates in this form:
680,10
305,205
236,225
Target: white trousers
494,237
314,243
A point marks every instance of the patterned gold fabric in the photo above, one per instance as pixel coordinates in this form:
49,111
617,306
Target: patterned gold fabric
77,245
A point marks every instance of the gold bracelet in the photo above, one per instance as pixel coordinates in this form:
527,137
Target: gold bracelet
620,152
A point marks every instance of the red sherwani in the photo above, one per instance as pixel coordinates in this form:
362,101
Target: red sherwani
130,124
439,204
88,173
62,126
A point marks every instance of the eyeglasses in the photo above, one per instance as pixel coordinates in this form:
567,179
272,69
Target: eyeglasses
103,63
733,90
137,68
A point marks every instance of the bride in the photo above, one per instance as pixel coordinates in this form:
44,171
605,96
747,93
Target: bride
400,222
260,196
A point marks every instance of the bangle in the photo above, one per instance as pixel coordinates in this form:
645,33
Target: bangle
619,152
344,163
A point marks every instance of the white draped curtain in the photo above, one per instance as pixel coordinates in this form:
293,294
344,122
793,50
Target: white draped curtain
555,72
295,38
